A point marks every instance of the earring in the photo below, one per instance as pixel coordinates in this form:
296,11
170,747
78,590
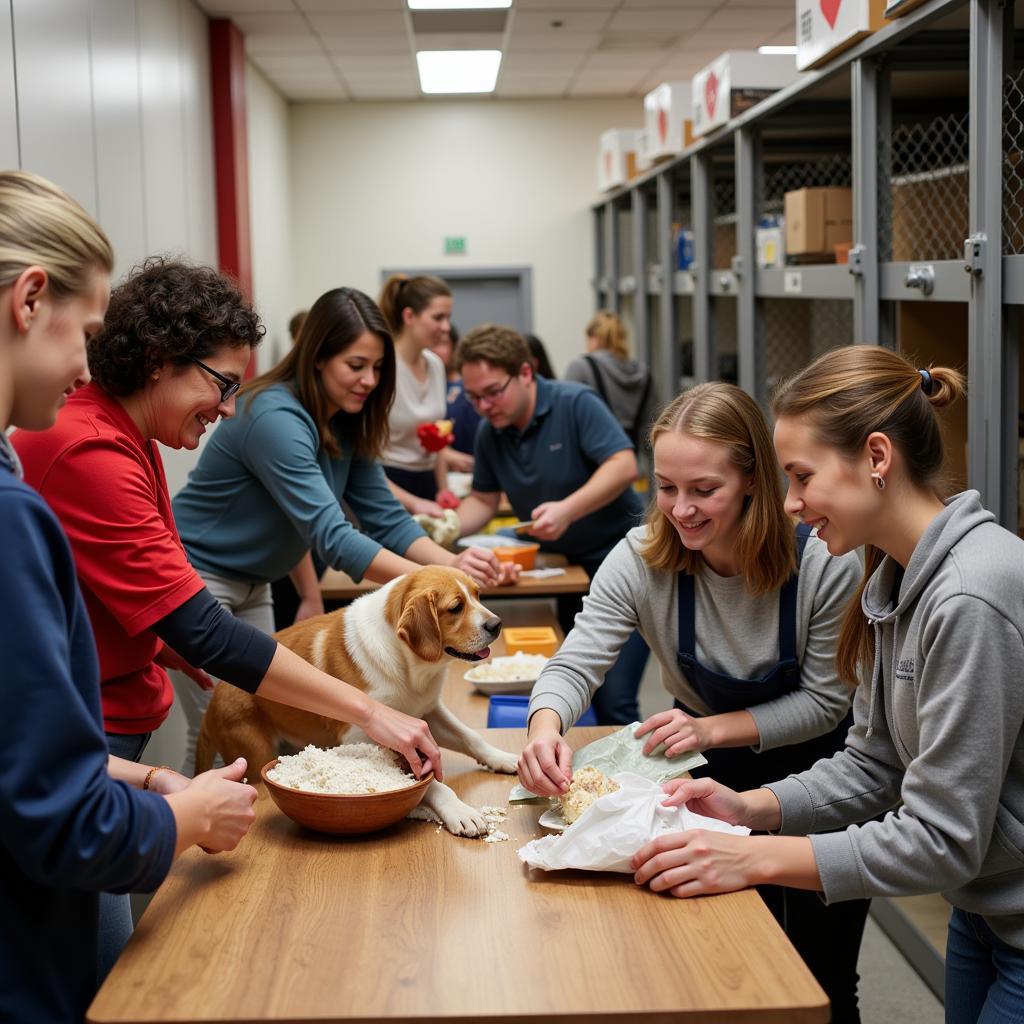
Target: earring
879,480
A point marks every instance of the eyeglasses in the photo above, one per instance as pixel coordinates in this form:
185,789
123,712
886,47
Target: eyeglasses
491,394
228,388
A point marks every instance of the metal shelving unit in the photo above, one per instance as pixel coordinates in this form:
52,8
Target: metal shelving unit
925,121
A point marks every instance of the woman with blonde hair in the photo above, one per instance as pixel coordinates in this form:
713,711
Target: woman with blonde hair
75,821
929,792
417,311
622,382
742,612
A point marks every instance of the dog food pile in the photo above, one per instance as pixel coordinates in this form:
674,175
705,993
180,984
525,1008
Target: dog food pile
588,785
509,669
352,768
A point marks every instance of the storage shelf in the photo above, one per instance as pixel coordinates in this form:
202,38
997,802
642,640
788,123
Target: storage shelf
952,282
812,281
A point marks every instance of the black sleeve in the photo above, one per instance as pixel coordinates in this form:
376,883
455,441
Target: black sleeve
208,636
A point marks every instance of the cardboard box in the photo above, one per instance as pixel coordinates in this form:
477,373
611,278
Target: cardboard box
617,161
930,215
824,28
818,219
668,119
897,8
734,82
770,244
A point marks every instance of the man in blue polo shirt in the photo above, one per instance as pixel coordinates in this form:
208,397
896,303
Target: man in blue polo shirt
565,463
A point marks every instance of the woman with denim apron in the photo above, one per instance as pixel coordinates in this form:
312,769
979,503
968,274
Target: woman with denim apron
742,611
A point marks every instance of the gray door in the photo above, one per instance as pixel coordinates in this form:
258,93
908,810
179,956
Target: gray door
495,296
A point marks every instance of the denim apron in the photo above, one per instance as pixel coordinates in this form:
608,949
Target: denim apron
742,768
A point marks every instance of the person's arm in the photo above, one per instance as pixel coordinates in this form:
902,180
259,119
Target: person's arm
477,510
307,586
412,503
457,462
606,483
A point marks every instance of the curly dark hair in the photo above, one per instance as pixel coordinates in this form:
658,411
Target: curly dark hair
167,311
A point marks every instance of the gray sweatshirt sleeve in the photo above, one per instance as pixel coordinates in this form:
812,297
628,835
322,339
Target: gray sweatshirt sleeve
969,719
609,616
826,584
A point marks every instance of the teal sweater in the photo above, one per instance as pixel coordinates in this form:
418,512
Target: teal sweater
264,492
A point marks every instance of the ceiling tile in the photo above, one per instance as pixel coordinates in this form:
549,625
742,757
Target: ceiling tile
359,23
747,18
664,19
340,6
707,5
292,63
572,20
297,87
271,24
218,8
533,85
378,64
282,44
641,61
377,87
531,5
387,43
460,41
606,83
552,41
546,62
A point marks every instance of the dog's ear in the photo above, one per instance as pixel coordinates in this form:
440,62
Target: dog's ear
419,626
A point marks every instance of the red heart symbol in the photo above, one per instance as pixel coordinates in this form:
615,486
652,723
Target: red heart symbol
830,8
711,93
662,124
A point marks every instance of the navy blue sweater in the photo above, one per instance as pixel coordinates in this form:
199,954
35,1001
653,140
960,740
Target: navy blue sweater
67,830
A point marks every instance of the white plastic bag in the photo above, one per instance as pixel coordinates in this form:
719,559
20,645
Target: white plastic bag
614,827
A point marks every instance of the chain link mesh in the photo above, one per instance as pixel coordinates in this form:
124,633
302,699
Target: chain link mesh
924,212
723,242
1013,164
726,332
799,330
834,171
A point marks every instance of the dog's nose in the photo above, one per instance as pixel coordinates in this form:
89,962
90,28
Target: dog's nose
493,626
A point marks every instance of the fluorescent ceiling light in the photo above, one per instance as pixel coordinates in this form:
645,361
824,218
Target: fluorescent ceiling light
776,49
458,5
448,71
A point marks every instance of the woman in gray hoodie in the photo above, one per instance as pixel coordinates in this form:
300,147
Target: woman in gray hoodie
930,786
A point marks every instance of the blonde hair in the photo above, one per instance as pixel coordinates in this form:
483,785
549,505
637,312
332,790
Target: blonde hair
41,225
858,390
401,292
609,332
765,546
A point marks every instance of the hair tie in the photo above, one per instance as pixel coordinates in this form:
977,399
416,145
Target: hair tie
927,384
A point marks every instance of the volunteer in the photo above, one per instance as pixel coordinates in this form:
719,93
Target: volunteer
742,613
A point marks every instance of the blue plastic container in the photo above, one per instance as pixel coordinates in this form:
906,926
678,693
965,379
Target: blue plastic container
509,712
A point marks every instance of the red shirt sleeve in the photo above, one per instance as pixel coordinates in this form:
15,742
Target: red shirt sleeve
112,501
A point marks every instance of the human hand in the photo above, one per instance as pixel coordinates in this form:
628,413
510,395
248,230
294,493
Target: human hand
678,731
425,507
409,736
227,805
545,765
166,781
309,607
697,862
707,797
550,520
481,564
446,499
509,573
171,659
458,462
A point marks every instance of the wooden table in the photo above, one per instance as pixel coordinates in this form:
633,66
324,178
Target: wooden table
336,585
413,924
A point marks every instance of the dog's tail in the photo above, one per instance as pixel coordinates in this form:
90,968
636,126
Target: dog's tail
205,749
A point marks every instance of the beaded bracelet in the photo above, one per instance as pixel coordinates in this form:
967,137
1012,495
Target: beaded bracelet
153,771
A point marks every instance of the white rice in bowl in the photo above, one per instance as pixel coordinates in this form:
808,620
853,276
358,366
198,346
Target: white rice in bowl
352,769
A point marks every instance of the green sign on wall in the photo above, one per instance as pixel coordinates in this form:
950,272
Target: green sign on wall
454,245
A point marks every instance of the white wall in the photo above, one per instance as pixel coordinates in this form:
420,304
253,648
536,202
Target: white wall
270,213
379,185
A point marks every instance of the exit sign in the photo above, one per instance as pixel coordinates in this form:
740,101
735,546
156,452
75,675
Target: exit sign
455,245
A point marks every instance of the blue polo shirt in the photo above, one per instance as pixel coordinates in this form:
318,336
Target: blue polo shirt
572,432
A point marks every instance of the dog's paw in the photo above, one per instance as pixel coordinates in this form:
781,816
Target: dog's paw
464,820
500,761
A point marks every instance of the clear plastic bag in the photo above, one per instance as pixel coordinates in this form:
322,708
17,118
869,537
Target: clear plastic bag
607,835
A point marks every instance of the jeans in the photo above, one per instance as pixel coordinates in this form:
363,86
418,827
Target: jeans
250,602
115,921
984,975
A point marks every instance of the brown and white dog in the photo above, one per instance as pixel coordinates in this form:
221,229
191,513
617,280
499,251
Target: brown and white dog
395,644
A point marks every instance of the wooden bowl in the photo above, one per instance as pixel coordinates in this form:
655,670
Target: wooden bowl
524,554
345,814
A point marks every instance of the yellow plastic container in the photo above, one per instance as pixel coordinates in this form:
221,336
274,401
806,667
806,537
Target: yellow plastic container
531,640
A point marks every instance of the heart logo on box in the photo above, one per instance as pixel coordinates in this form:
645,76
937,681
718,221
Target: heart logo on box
711,93
830,8
662,124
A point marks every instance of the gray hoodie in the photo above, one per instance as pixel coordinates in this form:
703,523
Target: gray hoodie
936,744
624,382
